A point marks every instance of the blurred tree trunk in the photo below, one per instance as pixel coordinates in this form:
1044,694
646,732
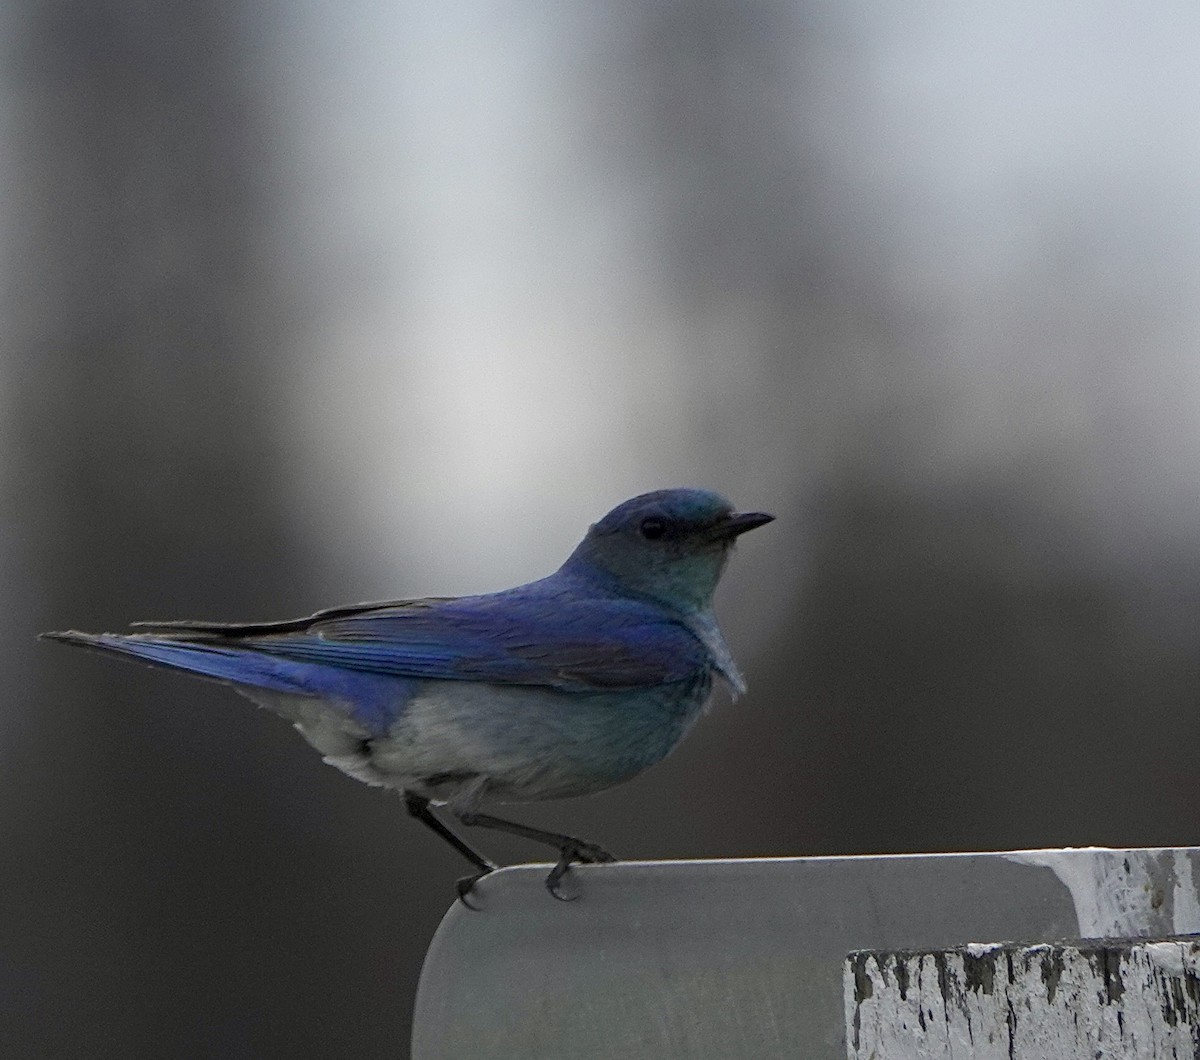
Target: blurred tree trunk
943,614
147,348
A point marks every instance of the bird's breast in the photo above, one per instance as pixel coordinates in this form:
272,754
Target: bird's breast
535,743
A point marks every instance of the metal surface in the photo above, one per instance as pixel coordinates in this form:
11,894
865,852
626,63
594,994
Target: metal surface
729,959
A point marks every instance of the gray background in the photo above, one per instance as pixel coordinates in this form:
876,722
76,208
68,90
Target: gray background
304,304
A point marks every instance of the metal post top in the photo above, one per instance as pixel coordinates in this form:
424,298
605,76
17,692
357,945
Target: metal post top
732,958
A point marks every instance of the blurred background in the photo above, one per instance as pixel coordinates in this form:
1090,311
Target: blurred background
306,304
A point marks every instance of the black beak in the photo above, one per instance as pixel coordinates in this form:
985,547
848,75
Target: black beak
738,523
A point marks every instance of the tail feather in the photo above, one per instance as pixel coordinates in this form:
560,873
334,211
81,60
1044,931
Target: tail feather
203,658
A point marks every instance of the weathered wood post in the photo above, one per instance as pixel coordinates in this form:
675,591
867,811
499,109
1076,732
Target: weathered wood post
1097,1000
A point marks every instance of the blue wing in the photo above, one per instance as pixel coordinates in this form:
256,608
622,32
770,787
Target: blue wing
545,633
506,638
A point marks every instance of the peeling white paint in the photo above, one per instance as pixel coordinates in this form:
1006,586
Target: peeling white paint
1122,1000
1166,956
1123,892
1186,904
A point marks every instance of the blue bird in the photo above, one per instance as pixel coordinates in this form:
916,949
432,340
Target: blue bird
561,687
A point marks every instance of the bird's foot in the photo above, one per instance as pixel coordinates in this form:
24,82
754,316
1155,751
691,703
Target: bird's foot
592,854
574,851
466,884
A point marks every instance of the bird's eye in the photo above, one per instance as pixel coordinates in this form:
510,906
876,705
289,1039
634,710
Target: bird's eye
653,528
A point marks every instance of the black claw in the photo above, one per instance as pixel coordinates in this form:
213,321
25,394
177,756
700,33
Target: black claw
555,878
575,851
590,854
465,885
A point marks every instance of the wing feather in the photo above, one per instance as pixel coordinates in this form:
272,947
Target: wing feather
506,638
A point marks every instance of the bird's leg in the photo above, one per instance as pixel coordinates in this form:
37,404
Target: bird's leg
570,849
418,807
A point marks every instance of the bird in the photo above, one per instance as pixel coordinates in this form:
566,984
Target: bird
557,688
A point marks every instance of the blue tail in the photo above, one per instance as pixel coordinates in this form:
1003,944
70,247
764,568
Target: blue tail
219,662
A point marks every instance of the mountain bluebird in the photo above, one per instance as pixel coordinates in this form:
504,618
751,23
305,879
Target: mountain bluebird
561,687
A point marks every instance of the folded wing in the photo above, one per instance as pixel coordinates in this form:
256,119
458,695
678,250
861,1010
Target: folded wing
505,638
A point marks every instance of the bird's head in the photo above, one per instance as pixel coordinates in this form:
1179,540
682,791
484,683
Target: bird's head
670,545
